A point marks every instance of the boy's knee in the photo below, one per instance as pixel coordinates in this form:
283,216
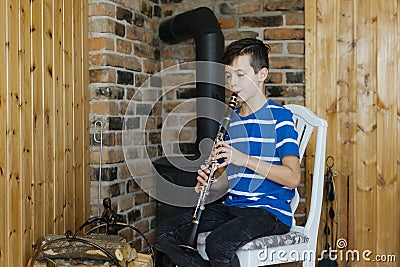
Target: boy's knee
215,247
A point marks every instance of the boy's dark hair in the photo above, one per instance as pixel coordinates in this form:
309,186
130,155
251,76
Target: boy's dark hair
257,50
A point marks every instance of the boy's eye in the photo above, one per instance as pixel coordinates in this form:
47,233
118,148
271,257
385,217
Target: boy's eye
240,74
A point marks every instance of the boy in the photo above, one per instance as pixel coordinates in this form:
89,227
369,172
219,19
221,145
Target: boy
261,166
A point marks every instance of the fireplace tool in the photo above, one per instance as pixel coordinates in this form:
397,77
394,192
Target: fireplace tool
100,141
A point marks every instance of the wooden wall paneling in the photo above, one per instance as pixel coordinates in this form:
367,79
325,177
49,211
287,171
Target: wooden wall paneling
26,126
387,138
68,69
346,109
41,42
396,218
366,133
37,87
59,117
81,108
365,212
3,136
14,194
49,110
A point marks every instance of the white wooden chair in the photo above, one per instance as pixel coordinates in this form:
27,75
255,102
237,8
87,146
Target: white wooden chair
300,243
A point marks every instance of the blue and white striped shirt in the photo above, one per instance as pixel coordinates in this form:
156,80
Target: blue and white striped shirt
268,134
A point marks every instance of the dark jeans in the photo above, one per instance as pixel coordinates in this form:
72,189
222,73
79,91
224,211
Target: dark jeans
231,228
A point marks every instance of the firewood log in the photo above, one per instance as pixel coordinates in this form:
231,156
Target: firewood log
77,250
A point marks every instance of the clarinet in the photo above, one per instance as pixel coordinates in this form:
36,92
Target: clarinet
211,164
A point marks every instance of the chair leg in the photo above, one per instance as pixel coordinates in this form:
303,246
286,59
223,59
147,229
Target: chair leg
309,263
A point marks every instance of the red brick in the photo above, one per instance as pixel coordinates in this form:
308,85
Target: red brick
264,21
149,210
123,172
133,32
227,23
109,156
141,198
296,48
125,203
286,62
102,9
102,26
236,35
276,48
275,77
178,51
132,63
272,5
102,76
143,50
284,34
176,79
106,60
99,43
292,91
239,8
124,46
104,107
151,66
294,18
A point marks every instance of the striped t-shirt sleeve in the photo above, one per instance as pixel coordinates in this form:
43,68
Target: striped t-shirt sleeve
286,135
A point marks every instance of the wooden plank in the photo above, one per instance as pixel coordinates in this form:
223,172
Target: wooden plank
326,78
396,216
3,137
49,116
365,190
347,108
386,125
310,10
81,108
26,128
59,118
14,195
84,113
37,87
68,76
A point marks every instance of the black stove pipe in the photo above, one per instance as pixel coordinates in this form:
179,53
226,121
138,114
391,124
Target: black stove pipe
202,25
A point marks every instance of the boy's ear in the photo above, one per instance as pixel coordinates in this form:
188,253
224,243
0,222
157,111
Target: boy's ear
262,74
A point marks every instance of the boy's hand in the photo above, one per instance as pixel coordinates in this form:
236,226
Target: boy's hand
202,178
230,154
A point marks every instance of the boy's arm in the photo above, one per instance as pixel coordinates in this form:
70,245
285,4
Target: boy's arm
288,174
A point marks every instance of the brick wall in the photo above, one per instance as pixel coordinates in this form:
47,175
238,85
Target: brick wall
123,54
125,51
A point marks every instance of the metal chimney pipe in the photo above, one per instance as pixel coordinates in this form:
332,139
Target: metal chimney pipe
202,25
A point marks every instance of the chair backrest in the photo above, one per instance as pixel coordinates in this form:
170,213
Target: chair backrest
305,121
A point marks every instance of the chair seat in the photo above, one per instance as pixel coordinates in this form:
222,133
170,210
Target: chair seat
291,238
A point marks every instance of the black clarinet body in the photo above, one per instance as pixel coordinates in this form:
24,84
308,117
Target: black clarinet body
212,164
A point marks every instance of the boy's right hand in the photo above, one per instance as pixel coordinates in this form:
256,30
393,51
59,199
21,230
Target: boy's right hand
202,178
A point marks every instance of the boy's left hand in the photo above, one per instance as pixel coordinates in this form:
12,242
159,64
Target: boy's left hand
230,154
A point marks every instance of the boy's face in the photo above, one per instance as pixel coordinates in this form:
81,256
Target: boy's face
242,80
